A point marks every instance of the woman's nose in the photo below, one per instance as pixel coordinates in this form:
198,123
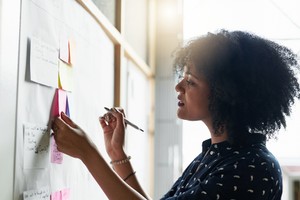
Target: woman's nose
179,87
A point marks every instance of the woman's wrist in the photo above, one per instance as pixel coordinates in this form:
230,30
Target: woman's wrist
88,151
120,162
118,155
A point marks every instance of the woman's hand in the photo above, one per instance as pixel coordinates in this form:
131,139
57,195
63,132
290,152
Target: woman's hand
70,138
113,126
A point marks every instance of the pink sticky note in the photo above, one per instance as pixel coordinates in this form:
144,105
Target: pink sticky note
65,194
59,102
56,195
61,195
56,156
59,105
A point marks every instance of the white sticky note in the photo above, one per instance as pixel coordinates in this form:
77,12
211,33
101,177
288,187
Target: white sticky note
43,63
36,146
64,50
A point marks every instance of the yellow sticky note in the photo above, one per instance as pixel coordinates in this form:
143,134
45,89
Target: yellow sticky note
65,73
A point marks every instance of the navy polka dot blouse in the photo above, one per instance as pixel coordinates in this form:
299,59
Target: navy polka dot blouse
224,172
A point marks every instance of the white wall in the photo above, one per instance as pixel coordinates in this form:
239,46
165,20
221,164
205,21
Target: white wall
92,58
137,107
168,128
15,92
9,46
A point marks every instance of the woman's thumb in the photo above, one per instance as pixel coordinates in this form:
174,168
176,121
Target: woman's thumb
68,120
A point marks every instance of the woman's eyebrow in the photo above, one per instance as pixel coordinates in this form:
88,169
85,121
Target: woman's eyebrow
190,74
187,71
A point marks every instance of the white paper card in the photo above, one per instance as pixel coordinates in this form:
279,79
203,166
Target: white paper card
64,50
39,194
43,63
36,146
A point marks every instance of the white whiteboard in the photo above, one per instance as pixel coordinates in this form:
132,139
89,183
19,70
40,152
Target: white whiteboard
93,71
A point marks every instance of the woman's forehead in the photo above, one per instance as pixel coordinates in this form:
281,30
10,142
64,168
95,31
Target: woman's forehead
191,71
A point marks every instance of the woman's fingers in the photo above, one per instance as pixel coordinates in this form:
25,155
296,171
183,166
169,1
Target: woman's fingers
102,122
69,137
118,114
58,124
120,110
62,122
105,125
68,120
109,117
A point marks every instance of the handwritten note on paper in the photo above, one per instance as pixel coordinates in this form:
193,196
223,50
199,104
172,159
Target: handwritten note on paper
39,194
43,63
36,146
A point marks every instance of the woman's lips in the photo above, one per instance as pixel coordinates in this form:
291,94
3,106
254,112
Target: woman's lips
180,104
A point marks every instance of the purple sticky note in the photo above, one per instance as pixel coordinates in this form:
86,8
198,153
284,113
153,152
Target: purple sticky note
67,108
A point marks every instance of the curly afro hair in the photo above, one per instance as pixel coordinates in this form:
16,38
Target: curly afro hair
252,81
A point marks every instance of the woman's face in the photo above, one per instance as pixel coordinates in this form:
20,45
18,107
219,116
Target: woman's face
193,95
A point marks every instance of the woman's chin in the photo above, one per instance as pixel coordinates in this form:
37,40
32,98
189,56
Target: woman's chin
180,114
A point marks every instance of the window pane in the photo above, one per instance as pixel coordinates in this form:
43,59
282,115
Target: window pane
108,8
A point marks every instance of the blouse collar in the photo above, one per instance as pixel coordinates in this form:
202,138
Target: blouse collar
225,146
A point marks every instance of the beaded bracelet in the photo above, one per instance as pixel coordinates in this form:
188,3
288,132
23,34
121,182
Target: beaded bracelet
119,162
131,174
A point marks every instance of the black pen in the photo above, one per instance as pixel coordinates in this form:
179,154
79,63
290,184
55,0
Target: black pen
127,122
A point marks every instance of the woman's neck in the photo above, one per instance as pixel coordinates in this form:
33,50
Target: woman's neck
217,138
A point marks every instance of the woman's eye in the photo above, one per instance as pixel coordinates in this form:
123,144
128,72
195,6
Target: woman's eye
189,82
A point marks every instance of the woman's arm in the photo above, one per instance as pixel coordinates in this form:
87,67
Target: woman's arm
112,185
114,133
72,140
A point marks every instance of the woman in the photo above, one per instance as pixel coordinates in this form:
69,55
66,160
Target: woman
242,87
